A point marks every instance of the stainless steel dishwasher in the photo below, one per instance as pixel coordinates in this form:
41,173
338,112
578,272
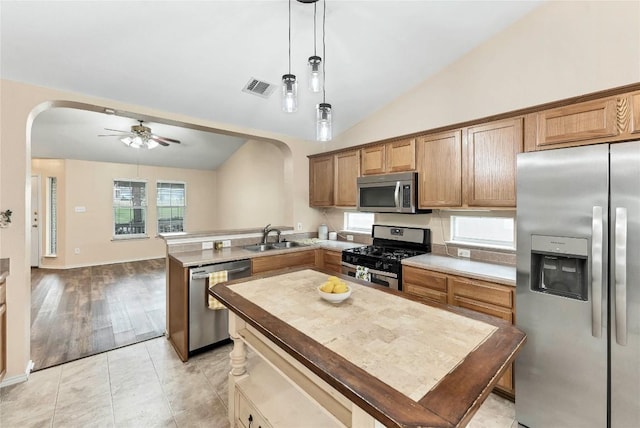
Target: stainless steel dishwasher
208,327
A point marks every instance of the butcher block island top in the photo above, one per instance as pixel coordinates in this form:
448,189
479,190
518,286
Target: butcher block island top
377,359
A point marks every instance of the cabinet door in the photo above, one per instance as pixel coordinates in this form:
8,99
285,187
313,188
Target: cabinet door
440,170
332,260
178,308
321,181
373,159
426,284
490,175
347,170
282,261
635,112
578,122
401,155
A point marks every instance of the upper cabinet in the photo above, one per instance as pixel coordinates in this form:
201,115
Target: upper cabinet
321,181
634,101
347,170
440,170
396,156
332,179
490,163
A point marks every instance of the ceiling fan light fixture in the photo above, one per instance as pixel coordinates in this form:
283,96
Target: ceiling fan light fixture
323,122
139,142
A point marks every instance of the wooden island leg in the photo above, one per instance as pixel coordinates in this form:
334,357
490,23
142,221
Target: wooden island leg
238,357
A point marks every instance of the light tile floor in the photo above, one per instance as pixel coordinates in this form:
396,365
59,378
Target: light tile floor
146,385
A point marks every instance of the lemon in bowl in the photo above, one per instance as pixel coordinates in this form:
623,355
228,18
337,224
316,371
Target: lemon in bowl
334,290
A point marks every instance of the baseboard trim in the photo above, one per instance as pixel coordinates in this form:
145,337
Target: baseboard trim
112,262
19,378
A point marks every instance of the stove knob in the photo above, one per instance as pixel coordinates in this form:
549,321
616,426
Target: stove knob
378,264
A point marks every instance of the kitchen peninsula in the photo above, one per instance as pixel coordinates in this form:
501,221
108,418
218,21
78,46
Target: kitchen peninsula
379,358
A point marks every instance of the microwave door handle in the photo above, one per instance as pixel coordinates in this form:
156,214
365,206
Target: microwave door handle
621,275
396,196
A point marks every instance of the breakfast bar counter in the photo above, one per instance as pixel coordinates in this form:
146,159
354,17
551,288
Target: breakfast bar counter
376,359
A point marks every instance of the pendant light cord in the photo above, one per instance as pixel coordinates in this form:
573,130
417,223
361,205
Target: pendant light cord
324,53
314,29
289,36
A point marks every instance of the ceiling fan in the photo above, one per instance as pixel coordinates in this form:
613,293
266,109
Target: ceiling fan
140,136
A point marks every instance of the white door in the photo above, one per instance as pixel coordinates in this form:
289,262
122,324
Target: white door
35,221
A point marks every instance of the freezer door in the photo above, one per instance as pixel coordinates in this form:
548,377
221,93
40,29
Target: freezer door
625,285
561,372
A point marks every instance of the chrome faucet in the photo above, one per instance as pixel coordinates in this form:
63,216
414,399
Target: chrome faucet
267,230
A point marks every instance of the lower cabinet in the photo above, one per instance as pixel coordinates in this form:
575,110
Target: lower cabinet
480,296
282,261
330,260
3,340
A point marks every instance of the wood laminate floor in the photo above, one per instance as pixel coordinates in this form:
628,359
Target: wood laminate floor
84,311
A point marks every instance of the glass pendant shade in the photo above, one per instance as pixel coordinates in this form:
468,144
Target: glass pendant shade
323,122
289,93
315,73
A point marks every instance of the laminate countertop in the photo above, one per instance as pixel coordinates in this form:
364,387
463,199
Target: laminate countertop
404,362
207,257
493,272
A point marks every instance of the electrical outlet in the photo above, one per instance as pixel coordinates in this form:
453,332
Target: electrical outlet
462,252
299,227
76,251
207,245
349,237
226,243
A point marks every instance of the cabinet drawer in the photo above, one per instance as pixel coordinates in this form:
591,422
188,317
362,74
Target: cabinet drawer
281,261
480,291
424,292
424,278
247,416
485,308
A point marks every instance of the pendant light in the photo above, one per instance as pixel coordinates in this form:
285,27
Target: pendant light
323,110
289,82
315,74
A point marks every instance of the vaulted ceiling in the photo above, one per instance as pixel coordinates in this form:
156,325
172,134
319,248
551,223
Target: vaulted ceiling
194,57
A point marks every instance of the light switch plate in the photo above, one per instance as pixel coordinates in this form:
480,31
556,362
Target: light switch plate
463,252
207,245
349,237
226,243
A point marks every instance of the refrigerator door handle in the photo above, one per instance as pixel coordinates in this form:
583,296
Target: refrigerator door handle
596,272
621,276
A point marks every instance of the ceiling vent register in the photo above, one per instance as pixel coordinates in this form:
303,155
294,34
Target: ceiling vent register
259,88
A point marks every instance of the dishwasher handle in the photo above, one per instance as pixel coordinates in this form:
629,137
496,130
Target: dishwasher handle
206,275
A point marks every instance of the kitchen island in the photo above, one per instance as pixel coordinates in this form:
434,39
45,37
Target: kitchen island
379,358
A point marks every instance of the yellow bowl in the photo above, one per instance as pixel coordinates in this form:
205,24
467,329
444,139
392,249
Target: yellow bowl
335,297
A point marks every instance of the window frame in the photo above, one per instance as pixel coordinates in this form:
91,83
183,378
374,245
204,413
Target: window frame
144,208
183,206
457,239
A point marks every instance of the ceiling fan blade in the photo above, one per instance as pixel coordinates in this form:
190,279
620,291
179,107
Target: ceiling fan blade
165,139
116,130
110,135
162,143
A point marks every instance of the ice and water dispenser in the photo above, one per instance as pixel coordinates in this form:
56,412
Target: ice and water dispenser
559,266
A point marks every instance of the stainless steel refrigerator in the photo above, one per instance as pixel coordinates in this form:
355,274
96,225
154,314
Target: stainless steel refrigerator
578,287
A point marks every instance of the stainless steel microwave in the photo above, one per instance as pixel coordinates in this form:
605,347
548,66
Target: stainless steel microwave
389,193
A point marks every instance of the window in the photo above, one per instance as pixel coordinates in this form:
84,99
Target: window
129,209
171,205
358,222
483,231
52,217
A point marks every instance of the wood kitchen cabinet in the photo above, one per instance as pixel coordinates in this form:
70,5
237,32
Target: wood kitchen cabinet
178,308
347,170
489,172
282,261
329,260
440,170
3,330
321,181
634,101
489,298
396,156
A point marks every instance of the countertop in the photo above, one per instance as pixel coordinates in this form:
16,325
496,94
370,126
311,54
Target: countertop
411,363
205,257
501,274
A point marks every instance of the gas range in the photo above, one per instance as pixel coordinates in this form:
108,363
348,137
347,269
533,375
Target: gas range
383,259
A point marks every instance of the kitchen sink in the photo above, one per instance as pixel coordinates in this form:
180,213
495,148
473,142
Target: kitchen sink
274,246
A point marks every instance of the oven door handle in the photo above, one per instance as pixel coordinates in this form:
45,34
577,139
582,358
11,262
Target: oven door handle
373,271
